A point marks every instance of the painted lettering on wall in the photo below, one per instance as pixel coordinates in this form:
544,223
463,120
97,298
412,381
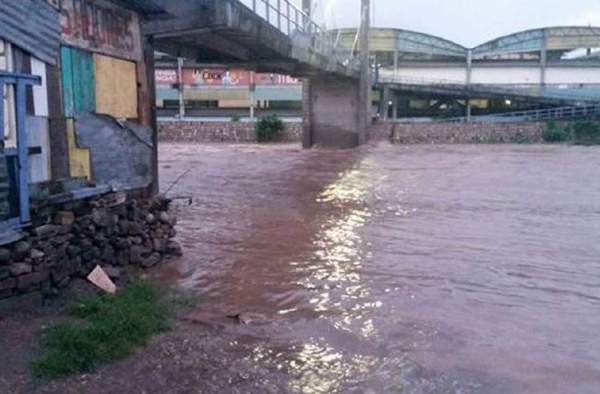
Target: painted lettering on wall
99,26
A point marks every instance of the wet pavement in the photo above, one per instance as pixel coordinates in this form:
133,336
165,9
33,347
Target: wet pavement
419,269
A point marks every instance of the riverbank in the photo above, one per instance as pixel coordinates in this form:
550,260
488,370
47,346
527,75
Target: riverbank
187,355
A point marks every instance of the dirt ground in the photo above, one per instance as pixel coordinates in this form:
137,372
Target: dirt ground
189,358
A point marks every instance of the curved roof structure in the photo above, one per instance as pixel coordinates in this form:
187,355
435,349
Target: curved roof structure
406,41
413,45
560,38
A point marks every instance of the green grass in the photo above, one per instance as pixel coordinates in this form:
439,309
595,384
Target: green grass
104,329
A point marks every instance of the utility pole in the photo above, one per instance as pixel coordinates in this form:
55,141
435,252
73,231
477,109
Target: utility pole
364,110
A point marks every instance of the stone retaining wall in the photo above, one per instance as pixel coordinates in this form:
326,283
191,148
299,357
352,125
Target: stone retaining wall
459,132
239,132
76,237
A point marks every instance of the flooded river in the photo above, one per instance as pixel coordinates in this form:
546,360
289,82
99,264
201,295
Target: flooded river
387,269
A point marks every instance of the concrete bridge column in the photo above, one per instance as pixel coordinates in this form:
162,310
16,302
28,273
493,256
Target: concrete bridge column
331,112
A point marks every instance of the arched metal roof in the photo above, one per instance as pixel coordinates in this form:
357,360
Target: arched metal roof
553,38
558,38
406,41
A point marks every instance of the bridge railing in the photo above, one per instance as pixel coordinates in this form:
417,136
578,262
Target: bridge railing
291,20
284,15
537,115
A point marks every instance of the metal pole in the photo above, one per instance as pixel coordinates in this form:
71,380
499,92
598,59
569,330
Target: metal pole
180,87
252,95
365,83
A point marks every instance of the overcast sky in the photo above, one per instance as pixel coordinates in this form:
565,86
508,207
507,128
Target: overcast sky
467,22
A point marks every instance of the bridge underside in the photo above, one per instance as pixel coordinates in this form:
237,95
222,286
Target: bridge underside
227,32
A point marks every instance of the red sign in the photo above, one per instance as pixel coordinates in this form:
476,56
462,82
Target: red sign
221,77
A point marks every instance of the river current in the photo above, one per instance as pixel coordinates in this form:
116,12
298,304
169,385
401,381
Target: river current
386,269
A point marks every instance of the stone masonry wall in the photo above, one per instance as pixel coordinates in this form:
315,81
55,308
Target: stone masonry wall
240,132
459,132
76,237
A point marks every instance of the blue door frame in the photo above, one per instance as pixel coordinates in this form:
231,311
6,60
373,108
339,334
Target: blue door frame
20,81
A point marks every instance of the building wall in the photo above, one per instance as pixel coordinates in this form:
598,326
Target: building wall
506,75
573,75
102,77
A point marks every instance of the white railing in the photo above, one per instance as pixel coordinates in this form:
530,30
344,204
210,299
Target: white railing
292,21
283,15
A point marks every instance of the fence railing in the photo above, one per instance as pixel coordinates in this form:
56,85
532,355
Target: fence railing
539,114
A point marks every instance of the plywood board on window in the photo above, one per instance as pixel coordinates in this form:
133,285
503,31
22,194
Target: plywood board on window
116,87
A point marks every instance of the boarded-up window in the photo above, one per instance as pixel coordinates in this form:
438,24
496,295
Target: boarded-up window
77,74
116,87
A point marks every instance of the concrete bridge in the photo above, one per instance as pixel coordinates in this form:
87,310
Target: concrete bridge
272,36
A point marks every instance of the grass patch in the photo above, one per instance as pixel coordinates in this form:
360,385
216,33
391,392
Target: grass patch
104,329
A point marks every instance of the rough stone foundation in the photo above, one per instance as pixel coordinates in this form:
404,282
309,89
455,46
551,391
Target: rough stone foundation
73,238
459,132
239,132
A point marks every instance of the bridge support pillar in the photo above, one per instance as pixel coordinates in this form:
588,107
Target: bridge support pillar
331,112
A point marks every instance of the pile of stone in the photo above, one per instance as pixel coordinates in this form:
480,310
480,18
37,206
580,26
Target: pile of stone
110,231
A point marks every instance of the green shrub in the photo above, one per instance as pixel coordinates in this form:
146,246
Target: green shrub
235,118
268,128
586,132
103,329
555,133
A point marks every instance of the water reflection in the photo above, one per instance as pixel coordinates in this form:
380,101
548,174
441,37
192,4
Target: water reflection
418,270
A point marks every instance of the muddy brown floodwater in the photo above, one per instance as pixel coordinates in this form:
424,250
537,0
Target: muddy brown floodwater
388,269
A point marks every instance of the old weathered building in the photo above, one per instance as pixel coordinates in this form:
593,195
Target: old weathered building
77,151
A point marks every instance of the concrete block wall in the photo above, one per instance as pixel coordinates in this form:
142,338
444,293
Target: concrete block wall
459,132
239,132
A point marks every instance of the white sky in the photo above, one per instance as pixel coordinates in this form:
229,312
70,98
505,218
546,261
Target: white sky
467,22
